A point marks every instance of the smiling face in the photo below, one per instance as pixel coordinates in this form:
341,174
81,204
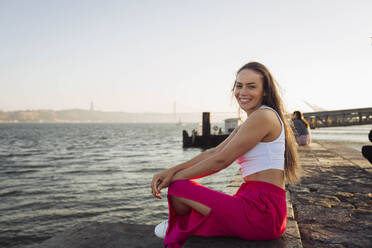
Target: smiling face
249,90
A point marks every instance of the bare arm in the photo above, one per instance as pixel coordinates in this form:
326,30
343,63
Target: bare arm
204,155
252,131
163,178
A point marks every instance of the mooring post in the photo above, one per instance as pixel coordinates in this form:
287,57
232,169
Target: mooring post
206,124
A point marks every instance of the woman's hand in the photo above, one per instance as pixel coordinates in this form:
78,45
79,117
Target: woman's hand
161,180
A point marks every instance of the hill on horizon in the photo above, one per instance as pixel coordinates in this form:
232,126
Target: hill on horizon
80,115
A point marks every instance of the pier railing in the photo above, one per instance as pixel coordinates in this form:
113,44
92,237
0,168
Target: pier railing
346,117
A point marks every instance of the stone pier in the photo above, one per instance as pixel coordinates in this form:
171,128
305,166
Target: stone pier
333,202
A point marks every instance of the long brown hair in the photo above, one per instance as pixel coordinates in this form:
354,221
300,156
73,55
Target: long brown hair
273,100
300,116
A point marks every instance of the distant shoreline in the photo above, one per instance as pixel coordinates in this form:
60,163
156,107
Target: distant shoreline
103,122
93,116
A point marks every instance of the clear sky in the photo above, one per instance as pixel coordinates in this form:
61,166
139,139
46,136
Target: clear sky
142,56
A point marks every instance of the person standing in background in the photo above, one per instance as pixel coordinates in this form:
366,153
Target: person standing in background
301,128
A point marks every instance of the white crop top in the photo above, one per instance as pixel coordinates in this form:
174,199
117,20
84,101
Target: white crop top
265,155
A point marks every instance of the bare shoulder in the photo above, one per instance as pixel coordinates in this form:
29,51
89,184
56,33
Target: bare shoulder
250,133
261,116
269,115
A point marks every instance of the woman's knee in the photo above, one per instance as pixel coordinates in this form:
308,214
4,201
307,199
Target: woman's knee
181,202
179,186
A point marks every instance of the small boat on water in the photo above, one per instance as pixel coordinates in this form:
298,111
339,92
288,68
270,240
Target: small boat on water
180,123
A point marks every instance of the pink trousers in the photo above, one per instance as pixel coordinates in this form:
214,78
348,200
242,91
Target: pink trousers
256,212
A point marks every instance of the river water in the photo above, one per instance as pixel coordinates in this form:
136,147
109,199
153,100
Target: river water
351,136
53,176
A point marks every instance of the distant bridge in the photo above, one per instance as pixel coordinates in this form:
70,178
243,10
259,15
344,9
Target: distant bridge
336,118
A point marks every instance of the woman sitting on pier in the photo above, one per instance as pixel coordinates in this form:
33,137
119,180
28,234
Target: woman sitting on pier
301,128
264,147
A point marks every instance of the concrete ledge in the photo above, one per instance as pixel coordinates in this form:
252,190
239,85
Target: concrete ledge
104,235
333,201
286,241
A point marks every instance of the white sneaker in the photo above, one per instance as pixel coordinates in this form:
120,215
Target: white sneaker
161,229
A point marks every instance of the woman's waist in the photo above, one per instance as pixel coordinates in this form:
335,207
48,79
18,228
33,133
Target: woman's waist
256,188
271,176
